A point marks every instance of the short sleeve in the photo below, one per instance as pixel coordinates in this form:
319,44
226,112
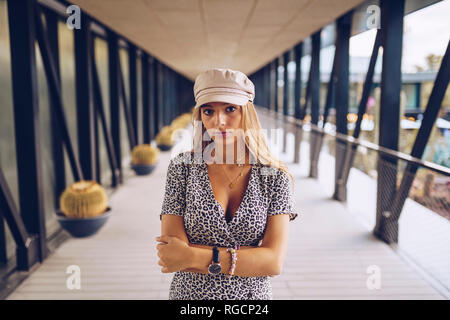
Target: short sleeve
282,200
175,190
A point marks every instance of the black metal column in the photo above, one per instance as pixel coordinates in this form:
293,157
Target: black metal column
147,119
343,28
114,97
267,86
286,57
277,107
160,95
315,101
392,37
84,99
154,96
27,130
298,53
132,66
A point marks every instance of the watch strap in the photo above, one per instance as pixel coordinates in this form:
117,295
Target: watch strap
215,255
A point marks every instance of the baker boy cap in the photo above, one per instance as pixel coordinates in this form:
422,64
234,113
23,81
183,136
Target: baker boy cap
223,85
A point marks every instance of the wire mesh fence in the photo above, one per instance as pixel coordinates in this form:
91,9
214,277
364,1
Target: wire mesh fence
400,201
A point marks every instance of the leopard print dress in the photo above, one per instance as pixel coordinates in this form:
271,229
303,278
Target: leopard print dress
188,193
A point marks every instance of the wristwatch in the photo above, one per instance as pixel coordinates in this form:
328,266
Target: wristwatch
215,267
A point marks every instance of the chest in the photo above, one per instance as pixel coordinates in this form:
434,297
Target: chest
229,188
205,221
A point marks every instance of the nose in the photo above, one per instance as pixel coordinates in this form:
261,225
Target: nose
221,119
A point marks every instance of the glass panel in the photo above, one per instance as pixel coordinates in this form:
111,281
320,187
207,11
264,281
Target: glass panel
326,65
305,64
67,72
139,138
422,57
48,165
361,47
291,86
280,83
101,60
8,162
124,142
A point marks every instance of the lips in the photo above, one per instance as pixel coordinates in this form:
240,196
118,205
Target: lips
222,133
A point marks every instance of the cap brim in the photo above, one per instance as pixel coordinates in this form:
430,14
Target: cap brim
236,100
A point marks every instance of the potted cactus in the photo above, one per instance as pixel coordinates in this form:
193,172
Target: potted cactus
164,139
83,208
181,121
144,158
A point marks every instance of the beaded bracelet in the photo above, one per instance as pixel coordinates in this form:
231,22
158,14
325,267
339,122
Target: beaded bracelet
232,251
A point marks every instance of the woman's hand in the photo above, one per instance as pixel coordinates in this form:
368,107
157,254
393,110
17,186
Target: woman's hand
174,254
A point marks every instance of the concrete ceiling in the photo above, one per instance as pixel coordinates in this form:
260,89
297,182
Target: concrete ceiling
193,35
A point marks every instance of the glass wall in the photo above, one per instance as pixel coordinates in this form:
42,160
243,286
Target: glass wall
139,129
67,72
425,226
8,160
422,57
306,65
360,49
124,141
291,84
101,61
280,82
48,165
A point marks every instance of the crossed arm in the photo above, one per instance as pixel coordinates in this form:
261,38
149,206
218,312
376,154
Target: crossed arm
177,254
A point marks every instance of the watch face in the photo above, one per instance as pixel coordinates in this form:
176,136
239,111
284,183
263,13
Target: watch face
214,268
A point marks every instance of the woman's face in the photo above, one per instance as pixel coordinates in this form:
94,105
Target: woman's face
219,117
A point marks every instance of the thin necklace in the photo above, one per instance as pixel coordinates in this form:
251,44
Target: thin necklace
232,182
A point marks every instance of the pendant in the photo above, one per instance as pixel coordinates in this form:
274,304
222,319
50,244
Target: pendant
230,185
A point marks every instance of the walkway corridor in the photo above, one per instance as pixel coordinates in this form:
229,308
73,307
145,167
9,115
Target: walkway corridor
328,255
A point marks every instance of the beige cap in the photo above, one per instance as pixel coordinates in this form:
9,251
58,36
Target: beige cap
223,85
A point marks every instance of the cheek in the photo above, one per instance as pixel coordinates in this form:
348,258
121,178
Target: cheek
205,122
236,120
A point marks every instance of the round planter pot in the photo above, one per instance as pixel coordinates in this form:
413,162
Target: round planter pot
164,147
82,227
143,169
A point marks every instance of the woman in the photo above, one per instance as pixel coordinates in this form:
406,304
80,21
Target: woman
227,204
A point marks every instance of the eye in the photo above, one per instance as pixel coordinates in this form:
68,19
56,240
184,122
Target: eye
207,112
231,108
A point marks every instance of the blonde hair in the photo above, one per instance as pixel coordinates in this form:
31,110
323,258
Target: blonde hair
254,139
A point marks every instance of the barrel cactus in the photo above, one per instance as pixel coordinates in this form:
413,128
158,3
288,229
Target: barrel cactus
84,199
144,154
181,121
164,137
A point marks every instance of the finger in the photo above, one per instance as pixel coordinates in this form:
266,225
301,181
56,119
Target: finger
161,263
165,270
163,238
